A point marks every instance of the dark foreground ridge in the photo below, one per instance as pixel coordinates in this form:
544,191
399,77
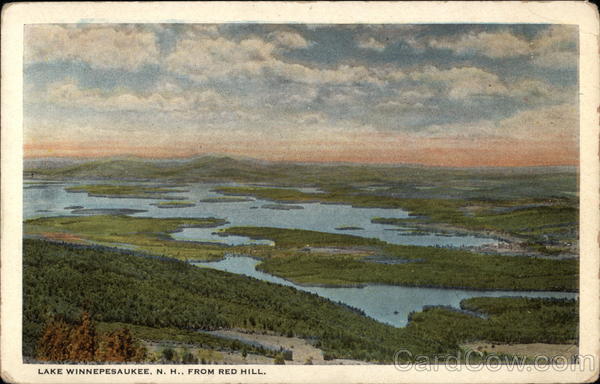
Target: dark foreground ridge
169,300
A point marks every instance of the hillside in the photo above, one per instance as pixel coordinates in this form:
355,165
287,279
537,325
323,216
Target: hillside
169,301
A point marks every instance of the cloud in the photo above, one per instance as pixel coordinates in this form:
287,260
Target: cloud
311,118
395,106
557,47
289,39
462,82
207,58
166,97
196,30
343,74
557,122
243,84
102,47
203,58
371,43
554,47
491,44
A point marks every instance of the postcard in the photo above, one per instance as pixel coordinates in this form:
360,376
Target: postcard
291,192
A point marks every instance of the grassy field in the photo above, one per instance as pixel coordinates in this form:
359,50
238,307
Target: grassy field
296,238
146,234
164,300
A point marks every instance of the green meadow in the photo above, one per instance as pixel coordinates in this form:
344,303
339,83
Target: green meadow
145,234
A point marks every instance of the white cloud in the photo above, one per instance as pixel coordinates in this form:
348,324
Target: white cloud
102,47
371,43
395,106
552,48
341,75
491,44
288,39
420,92
556,47
196,30
311,118
462,82
345,95
207,58
558,122
165,98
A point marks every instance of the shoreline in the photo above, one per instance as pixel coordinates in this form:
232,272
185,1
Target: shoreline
364,285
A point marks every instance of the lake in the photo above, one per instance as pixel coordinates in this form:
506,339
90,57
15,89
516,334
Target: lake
51,200
385,303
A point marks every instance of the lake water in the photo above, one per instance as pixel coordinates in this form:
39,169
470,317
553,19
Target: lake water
386,303
51,200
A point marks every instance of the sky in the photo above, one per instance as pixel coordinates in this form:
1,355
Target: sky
443,95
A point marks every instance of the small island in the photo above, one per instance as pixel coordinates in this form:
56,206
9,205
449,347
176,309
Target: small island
349,228
174,204
282,207
226,199
107,211
127,191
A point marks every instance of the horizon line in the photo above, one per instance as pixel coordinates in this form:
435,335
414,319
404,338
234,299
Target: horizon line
249,158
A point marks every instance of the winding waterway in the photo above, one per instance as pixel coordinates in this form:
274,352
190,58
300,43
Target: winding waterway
385,303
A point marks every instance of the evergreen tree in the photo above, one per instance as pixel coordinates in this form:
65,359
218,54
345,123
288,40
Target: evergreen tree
120,346
83,340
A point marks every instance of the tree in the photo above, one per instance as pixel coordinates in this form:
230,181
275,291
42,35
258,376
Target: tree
279,360
188,358
83,340
119,346
54,343
61,341
168,354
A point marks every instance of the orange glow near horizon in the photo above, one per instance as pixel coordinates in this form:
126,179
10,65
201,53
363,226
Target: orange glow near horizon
371,150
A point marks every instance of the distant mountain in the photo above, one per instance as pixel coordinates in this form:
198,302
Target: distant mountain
215,168
203,168
52,162
407,181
